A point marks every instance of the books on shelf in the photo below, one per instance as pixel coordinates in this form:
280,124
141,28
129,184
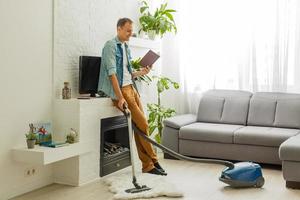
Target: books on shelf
55,144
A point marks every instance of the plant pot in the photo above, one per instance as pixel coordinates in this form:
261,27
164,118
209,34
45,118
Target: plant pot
30,144
70,139
151,34
143,35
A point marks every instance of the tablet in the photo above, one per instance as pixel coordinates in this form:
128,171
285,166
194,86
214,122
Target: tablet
149,58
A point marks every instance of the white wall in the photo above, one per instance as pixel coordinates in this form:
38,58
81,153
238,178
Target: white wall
25,85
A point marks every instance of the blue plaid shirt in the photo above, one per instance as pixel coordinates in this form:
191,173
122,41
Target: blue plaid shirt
112,63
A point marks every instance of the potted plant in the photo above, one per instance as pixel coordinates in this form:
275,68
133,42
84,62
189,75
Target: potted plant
159,23
137,67
31,137
72,137
157,112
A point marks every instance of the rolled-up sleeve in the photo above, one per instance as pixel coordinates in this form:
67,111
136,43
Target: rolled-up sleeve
109,58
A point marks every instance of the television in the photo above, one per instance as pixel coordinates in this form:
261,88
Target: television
89,71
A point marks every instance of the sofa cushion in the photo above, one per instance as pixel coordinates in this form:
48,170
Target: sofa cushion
287,113
212,132
180,120
290,149
210,109
264,136
261,111
224,106
235,110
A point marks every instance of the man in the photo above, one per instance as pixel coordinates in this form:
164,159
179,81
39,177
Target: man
117,81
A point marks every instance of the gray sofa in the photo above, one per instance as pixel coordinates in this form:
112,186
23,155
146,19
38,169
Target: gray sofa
239,125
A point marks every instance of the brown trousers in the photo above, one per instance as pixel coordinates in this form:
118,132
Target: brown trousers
145,150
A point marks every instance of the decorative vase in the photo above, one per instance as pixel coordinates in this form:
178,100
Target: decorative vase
30,144
151,34
72,137
66,91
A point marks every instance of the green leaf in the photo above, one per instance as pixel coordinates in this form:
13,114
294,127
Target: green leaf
170,10
151,129
175,85
149,79
157,138
170,16
142,9
163,6
160,87
152,116
144,3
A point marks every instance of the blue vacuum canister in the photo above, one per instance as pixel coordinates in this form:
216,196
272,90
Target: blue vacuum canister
243,174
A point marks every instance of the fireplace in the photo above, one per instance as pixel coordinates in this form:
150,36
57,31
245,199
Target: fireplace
114,145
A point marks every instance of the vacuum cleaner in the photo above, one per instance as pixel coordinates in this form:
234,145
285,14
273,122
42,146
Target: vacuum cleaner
238,175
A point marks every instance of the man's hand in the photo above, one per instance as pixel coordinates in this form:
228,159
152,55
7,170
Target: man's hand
146,70
143,71
117,90
121,102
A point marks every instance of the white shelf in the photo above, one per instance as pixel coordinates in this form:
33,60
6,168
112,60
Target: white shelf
46,155
144,43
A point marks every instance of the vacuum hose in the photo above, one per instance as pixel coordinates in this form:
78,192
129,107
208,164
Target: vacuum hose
179,156
228,164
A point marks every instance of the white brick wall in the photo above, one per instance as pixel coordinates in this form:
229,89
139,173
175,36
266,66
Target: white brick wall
82,28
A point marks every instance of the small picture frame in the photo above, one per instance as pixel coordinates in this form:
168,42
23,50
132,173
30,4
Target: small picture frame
44,132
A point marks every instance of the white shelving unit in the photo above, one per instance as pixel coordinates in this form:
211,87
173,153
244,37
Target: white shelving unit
46,155
144,43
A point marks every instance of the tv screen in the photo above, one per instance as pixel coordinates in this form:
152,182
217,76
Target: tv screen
89,70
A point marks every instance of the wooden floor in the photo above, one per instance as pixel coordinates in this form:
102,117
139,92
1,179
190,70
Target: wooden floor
198,181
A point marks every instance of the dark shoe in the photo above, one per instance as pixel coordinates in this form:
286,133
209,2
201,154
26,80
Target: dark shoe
157,165
157,172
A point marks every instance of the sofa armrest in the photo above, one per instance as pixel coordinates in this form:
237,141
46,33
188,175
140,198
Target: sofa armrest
180,120
290,149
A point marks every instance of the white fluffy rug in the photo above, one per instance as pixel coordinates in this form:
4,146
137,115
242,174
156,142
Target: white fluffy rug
160,185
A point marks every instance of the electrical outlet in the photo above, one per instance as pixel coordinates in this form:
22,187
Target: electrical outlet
33,171
27,172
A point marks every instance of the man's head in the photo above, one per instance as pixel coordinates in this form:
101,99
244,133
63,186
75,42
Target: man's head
124,29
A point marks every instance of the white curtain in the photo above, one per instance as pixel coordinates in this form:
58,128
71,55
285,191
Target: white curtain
250,45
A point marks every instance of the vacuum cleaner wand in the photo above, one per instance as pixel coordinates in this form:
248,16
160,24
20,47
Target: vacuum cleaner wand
137,188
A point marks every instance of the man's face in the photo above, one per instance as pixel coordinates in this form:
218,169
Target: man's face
125,32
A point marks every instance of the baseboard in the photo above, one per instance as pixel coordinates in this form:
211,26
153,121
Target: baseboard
292,184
